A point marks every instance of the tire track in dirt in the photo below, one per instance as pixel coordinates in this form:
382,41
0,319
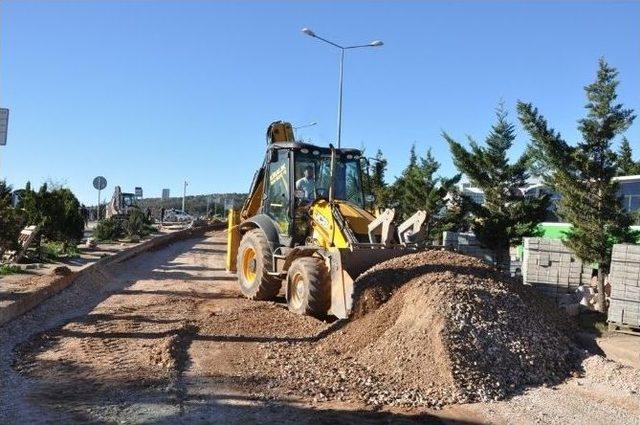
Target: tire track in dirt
179,352
62,360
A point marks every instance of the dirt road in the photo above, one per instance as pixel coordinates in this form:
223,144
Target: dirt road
166,338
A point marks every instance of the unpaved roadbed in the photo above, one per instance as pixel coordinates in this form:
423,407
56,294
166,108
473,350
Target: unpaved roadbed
166,338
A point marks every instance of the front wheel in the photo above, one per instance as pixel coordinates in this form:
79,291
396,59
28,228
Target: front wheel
308,287
254,261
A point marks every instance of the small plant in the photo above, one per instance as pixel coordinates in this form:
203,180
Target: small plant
6,269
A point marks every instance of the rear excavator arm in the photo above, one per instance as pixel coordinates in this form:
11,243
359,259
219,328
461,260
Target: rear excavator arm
278,131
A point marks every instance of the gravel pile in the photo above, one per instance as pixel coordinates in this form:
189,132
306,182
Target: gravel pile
430,329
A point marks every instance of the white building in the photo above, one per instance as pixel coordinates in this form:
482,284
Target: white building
629,188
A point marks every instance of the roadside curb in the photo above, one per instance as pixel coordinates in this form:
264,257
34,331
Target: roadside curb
28,302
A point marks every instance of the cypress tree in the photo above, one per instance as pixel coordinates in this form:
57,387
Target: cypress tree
506,216
583,174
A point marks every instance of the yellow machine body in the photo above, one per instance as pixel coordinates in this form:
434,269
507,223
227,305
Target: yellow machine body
327,232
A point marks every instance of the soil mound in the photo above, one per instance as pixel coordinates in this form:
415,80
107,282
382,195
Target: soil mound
444,323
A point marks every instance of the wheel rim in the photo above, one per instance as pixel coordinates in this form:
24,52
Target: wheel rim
296,291
249,265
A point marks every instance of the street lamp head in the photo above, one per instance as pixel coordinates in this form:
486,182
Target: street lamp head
308,32
376,43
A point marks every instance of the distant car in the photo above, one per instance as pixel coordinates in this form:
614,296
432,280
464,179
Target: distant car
177,216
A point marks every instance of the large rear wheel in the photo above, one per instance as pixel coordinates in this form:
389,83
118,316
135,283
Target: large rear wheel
254,261
308,287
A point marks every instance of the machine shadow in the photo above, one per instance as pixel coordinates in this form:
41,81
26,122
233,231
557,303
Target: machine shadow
74,394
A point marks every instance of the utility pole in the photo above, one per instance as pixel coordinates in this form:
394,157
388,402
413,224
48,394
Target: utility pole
184,194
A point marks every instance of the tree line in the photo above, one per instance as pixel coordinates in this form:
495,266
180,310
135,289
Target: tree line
582,174
54,209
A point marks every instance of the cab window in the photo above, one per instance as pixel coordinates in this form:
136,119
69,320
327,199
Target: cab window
313,174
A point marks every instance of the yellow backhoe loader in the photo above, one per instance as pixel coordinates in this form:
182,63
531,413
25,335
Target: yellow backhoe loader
305,224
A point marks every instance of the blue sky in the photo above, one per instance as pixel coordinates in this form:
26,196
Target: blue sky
151,93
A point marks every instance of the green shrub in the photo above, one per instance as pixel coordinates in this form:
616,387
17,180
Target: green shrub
56,250
6,269
109,229
112,229
136,223
10,220
56,211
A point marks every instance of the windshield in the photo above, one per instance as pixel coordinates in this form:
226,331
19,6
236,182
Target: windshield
313,177
128,200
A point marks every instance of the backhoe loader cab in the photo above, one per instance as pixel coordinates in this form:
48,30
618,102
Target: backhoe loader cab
121,204
304,225
299,174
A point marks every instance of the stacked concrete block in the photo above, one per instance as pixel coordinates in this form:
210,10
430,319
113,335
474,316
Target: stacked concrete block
552,268
450,239
515,266
468,244
624,277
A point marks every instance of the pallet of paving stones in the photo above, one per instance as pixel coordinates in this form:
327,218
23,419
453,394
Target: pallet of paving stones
624,312
625,292
550,262
624,278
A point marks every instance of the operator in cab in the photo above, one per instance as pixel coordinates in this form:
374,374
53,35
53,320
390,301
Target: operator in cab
307,184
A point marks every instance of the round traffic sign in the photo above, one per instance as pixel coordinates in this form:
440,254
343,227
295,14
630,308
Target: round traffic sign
99,182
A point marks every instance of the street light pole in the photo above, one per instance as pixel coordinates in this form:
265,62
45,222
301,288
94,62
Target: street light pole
340,97
376,43
184,194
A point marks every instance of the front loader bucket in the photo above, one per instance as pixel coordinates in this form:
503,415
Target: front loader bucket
345,265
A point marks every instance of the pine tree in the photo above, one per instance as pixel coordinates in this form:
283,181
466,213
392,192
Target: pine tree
583,174
379,189
373,183
419,188
626,166
378,170
506,216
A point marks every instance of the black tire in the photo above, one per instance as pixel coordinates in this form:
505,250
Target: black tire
309,287
254,261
